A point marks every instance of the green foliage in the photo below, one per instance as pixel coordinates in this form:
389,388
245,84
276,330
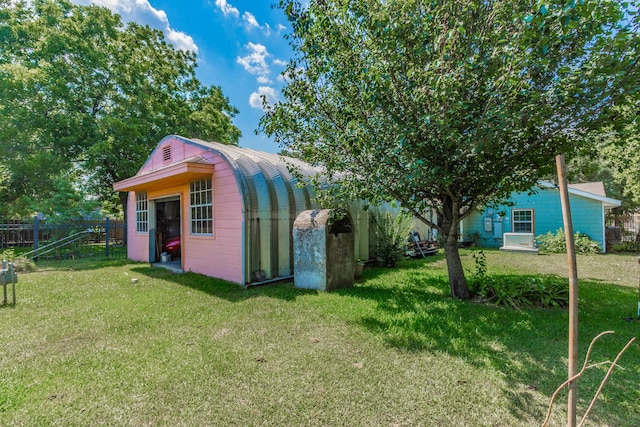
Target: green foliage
391,232
517,292
627,246
81,92
614,158
449,105
556,243
20,262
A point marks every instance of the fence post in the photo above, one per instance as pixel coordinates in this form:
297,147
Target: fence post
36,232
107,231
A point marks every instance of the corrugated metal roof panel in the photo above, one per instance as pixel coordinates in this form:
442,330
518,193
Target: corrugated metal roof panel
272,200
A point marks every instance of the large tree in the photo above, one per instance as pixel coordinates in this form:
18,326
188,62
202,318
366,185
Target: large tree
78,90
449,105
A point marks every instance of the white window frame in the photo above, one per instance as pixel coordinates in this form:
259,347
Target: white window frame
515,222
142,212
201,207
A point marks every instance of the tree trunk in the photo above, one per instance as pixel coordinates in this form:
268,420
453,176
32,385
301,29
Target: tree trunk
450,222
457,281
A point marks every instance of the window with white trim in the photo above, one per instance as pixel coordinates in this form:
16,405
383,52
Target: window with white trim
522,220
142,212
201,206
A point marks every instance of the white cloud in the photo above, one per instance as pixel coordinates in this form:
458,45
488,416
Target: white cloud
281,27
263,80
256,61
142,12
279,62
251,23
269,94
227,9
250,20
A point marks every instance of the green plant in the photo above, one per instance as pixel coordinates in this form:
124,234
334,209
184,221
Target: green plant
627,246
518,292
556,243
391,236
480,280
21,263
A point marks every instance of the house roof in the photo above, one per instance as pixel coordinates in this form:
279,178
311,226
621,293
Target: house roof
591,187
596,192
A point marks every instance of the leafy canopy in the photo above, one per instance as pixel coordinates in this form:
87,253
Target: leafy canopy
449,105
78,90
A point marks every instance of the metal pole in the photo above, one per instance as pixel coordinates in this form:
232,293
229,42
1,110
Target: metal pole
4,279
107,231
36,231
12,270
573,291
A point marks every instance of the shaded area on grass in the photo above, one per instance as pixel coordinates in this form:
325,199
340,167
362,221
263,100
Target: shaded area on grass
228,291
529,347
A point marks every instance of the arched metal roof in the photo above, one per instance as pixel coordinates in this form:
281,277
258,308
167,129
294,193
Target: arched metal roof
272,198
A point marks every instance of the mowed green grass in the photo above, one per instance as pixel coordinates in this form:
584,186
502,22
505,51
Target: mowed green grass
86,346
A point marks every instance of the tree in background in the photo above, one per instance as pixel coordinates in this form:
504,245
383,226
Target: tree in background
449,105
80,91
614,158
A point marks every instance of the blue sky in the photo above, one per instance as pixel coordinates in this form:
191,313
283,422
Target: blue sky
240,46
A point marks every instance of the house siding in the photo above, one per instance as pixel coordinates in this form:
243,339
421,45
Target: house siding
587,217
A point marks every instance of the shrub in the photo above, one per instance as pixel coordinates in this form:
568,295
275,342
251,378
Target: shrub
391,232
516,291
627,246
556,243
20,263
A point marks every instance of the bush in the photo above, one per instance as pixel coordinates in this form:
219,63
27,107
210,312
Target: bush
518,292
392,232
20,263
556,243
627,246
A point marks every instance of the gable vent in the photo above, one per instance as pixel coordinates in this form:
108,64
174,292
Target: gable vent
166,153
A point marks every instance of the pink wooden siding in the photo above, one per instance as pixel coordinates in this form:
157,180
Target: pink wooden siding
137,243
219,255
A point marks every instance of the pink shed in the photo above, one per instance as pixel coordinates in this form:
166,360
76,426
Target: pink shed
228,210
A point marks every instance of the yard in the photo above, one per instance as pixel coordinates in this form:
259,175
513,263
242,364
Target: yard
85,345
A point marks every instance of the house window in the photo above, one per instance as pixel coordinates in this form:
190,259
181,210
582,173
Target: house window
522,220
201,204
142,212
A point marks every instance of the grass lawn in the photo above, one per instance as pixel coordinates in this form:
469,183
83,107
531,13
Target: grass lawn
86,346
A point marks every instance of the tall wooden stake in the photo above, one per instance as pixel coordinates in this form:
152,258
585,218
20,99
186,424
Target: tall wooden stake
573,291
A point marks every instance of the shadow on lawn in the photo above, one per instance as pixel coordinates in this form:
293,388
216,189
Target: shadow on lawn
414,312
228,291
529,347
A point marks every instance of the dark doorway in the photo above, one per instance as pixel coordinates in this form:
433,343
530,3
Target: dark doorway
168,241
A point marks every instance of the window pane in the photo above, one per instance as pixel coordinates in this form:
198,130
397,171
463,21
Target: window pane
201,204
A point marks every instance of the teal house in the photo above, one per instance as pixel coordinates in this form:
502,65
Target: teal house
515,227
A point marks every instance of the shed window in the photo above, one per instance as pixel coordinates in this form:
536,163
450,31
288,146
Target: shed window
201,206
522,220
142,212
